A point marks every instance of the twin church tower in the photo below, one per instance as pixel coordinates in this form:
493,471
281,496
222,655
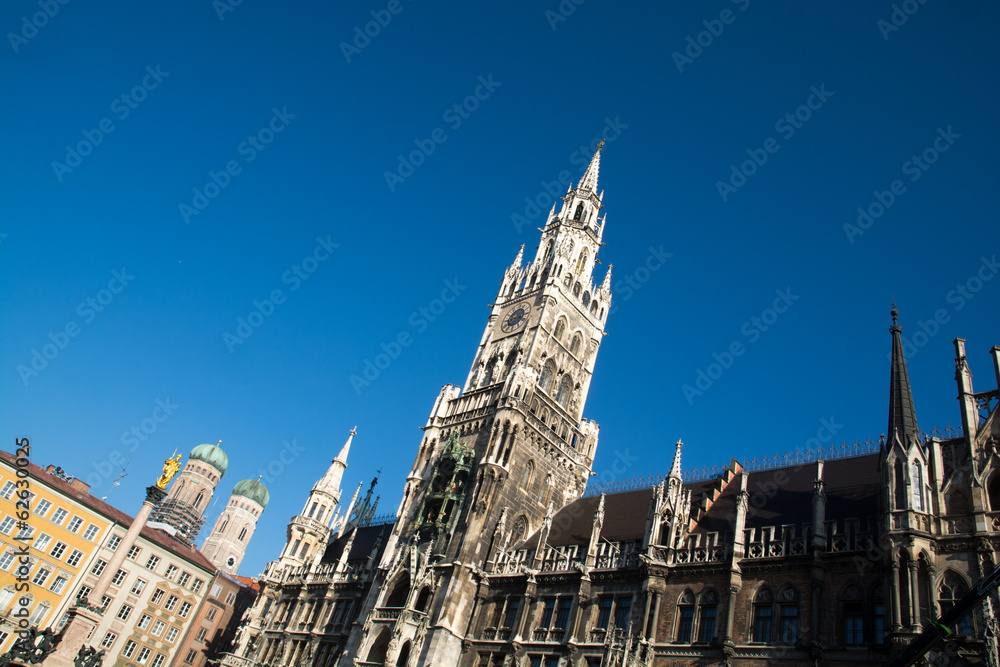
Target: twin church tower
182,512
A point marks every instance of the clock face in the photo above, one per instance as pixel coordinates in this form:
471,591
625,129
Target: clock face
515,318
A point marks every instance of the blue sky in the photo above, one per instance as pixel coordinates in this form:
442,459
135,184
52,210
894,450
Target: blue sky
254,139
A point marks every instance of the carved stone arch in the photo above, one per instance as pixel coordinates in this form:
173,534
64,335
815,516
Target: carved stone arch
992,486
379,647
788,593
398,590
851,590
763,593
519,529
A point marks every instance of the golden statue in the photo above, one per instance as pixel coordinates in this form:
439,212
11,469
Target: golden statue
170,468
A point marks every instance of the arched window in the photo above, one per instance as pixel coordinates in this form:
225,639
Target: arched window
488,373
917,483
993,491
404,655
707,616
400,592
950,591
518,531
243,533
586,299
852,609
222,526
529,469
763,610
899,487
579,212
581,261
685,616
547,495
198,499
788,620
423,599
593,307
548,371
565,391
376,654
560,328
574,347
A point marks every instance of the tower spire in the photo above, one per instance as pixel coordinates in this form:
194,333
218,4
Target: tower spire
902,415
589,180
520,257
346,449
675,469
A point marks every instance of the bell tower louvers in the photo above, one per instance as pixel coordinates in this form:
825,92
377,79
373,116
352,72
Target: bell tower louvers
512,440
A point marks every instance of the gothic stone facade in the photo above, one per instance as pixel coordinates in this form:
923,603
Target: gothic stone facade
497,558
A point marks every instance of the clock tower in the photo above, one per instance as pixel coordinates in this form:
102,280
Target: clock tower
507,448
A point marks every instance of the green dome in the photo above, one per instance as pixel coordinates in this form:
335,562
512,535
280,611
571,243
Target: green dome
252,489
212,455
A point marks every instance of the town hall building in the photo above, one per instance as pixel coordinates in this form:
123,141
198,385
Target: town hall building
499,555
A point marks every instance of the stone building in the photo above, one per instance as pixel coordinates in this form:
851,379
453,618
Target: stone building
168,603
498,556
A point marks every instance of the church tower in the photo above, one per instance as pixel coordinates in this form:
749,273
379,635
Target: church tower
226,545
309,531
512,441
182,513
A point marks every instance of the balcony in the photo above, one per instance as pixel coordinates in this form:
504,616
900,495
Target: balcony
387,613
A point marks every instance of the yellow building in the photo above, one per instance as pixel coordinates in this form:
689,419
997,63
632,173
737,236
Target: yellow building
61,536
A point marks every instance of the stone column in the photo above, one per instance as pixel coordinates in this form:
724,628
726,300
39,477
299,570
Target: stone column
897,623
914,597
85,617
657,598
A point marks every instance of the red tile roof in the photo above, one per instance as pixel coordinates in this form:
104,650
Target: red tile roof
161,539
